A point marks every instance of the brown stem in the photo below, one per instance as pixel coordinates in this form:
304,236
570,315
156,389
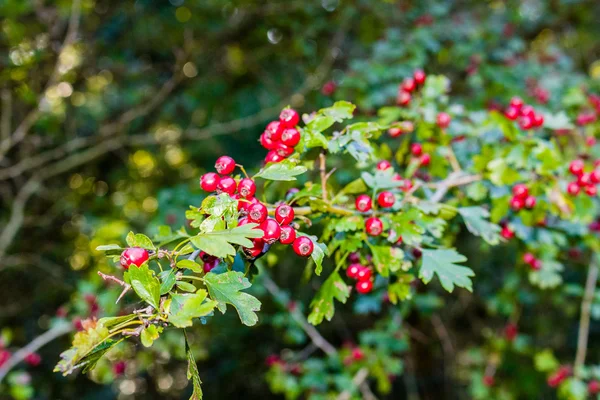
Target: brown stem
584,320
357,381
323,171
125,285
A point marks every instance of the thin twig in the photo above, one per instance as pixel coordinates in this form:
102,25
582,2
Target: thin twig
357,381
584,321
323,172
126,286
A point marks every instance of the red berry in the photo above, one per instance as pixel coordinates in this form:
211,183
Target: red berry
386,199
488,380
395,132
271,229
528,258
408,84
284,214
266,141
536,265
246,188
516,203
364,287
227,185
576,167
419,76
256,249
283,150
538,120
511,331
374,226
303,246
443,120
357,354
119,367
590,141
425,160
209,181
530,202
383,165
290,137
273,130
288,235
134,255
328,88
591,190
516,102
573,188
511,113
593,387
416,149
352,270
528,111
526,122
363,203
584,179
364,274
33,359
595,176
289,118
225,165
403,98
273,157
257,213
507,233
520,191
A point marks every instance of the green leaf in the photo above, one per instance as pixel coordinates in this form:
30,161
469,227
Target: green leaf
354,187
320,123
340,110
545,361
226,289
150,334
476,220
548,276
192,371
443,262
167,279
108,247
186,286
145,284
139,240
322,305
285,170
386,258
110,322
219,243
400,290
191,265
407,225
186,307
318,254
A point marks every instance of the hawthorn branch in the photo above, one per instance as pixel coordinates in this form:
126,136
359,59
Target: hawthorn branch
584,321
33,346
323,172
455,179
126,286
357,381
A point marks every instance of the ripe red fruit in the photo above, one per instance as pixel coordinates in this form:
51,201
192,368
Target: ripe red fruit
528,258
576,167
209,181
520,191
273,130
416,149
507,233
528,111
134,255
289,118
584,179
284,214
595,176
257,213
395,132
593,387
119,368
364,274
288,235
516,203
357,354
591,190
303,246
511,331
272,156
526,122
353,269
227,185
419,76
283,150
408,84
516,102
573,188
488,380
363,203
210,264
328,88
225,165
383,165
374,226
538,120
256,249
290,137
443,120
536,265
266,141
425,160
364,287
386,199
246,188
33,359
403,98
530,202
511,113
271,229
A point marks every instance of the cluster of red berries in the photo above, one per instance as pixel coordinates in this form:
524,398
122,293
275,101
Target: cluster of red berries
532,261
416,149
527,116
408,86
222,182
521,198
585,180
402,128
506,232
362,275
280,137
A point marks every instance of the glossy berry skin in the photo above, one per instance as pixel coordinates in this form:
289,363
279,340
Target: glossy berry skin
425,160
520,191
284,214
274,130
303,246
526,122
516,102
576,167
395,132
288,235
527,111
584,179
353,269
374,226
256,249
595,176
209,181
538,120
273,157
246,188
364,274
511,113
443,120
517,203
283,150
225,165
266,141
290,137
364,287
134,255
591,190
363,203
573,188
227,185
416,149
386,199
409,85
507,233
419,76
403,98
289,118
383,165
530,202
257,213
271,229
